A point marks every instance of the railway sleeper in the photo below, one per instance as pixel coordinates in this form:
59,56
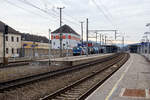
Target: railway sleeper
70,95
67,98
75,91
64,98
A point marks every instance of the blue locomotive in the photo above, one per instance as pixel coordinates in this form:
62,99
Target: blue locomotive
77,51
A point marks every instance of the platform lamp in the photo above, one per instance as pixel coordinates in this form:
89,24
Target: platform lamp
148,40
118,41
148,25
49,35
145,40
5,33
142,45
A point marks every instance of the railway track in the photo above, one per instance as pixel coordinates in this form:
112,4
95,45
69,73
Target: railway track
80,89
15,64
5,86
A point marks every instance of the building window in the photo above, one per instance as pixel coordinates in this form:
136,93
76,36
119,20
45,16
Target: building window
12,50
12,39
6,50
17,51
17,39
6,38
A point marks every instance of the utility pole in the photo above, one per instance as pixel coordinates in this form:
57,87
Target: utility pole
33,48
60,8
100,39
123,43
105,40
148,25
115,34
49,34
96,38
82,32
87,35
105,43
5,32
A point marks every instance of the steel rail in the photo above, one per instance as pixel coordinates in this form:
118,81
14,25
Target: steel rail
82,97
5,86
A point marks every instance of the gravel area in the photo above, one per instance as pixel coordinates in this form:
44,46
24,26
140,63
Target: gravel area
11,73
42,88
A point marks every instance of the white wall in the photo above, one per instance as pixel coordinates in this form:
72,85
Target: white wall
9,44
72,43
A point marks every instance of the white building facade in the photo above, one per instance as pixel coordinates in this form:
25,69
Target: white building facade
12,42
12,45
70,38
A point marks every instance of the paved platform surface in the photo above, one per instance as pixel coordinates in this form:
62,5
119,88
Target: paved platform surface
130,82
76,58
73,60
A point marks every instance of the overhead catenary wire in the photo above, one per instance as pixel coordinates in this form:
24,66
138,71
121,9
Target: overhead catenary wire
29,11
101,11
106,9
49,13
42,10
13,4
34,6
45,4
108,12
66,3
67,15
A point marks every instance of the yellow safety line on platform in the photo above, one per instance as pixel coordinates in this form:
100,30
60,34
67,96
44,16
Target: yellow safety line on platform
115,86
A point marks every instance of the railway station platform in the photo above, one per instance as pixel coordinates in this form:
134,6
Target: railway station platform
73,60
130,82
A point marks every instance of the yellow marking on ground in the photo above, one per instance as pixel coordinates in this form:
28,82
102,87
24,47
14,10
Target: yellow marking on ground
116,84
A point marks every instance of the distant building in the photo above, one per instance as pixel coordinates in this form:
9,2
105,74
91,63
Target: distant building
13,42
34,46
69,36
22,45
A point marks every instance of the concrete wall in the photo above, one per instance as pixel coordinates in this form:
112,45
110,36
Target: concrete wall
34,52
56,52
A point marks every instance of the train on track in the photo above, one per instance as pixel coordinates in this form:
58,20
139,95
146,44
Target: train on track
79,50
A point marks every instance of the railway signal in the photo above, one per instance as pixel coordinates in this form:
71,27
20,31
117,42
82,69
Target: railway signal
5,32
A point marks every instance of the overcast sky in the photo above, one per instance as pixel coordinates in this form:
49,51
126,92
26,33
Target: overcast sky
127,16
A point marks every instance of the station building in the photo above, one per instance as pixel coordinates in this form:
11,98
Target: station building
22,45
12,41
34,45
70,38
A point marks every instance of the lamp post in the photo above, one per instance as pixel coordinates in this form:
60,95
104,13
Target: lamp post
4,47
60,9
87,33
148,25
49,34
142,46
147,40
